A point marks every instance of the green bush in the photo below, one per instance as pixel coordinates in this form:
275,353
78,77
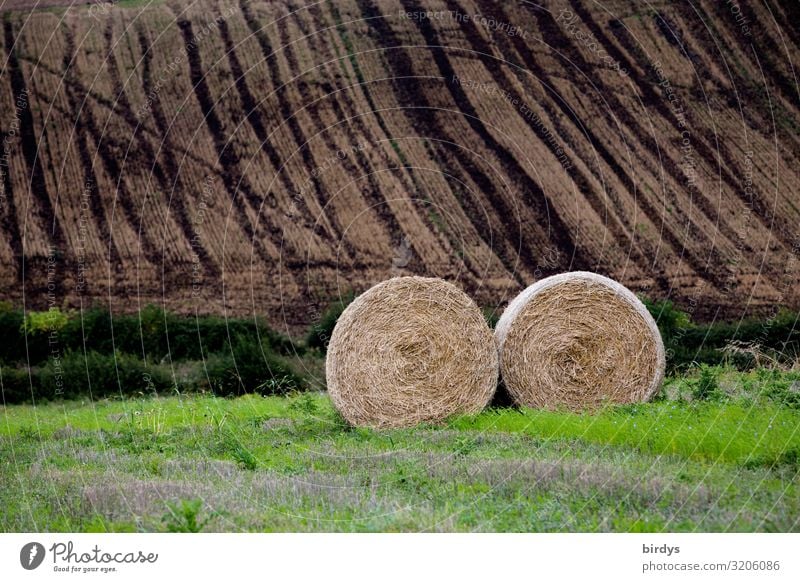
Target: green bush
44,322
320,333
669,318
163,336
12,348
99,375
491,315
689,344
249,368
151,334
706,385
184,516
136,354
781,388
15,384
75,375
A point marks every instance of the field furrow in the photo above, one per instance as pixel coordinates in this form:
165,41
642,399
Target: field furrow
271,156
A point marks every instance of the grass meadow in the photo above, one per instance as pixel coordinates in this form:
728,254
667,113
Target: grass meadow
718,450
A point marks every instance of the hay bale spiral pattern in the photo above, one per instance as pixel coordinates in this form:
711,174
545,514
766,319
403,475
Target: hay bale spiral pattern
577,341
410,350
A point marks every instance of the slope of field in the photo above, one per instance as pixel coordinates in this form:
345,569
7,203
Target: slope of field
290,464
255,156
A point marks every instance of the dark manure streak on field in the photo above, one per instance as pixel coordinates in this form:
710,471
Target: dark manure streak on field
377,204
444,156
768,218
288,116
763,44
172,190
177,187
706,268
733,89
615,223
30,151
402,173
234,181
85,128
703,150
787,18
502,80
108,104
422,117
252,114
532,194
374,192
552,38
774,222
9,219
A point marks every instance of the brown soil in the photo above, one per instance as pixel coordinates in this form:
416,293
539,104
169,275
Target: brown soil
265,157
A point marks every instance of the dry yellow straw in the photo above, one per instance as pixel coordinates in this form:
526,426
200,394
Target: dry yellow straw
410,350
577,341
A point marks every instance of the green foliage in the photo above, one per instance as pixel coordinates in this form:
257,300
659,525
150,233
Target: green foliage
337,423
244,458
669,318
136,354
491,315
781,388
229,444
305,404
151,334
44,322
786,459
250,367
714,465
184,516
15,385
465,445
789,458
688,344
320,333
99,375
705,385
75,375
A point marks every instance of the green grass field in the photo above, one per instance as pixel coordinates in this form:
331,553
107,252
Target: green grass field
724,457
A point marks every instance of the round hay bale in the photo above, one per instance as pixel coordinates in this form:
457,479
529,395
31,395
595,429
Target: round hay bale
410,350
577,341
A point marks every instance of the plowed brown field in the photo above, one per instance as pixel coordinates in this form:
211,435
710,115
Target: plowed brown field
265,156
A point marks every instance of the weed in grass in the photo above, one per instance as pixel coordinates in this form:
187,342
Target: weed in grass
279,385
153,420
153,465
728,464
218,419
99,524
784,392
789,459
28,433
465,445
184,516
706,386
337,422
244,458
304,404
229,444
